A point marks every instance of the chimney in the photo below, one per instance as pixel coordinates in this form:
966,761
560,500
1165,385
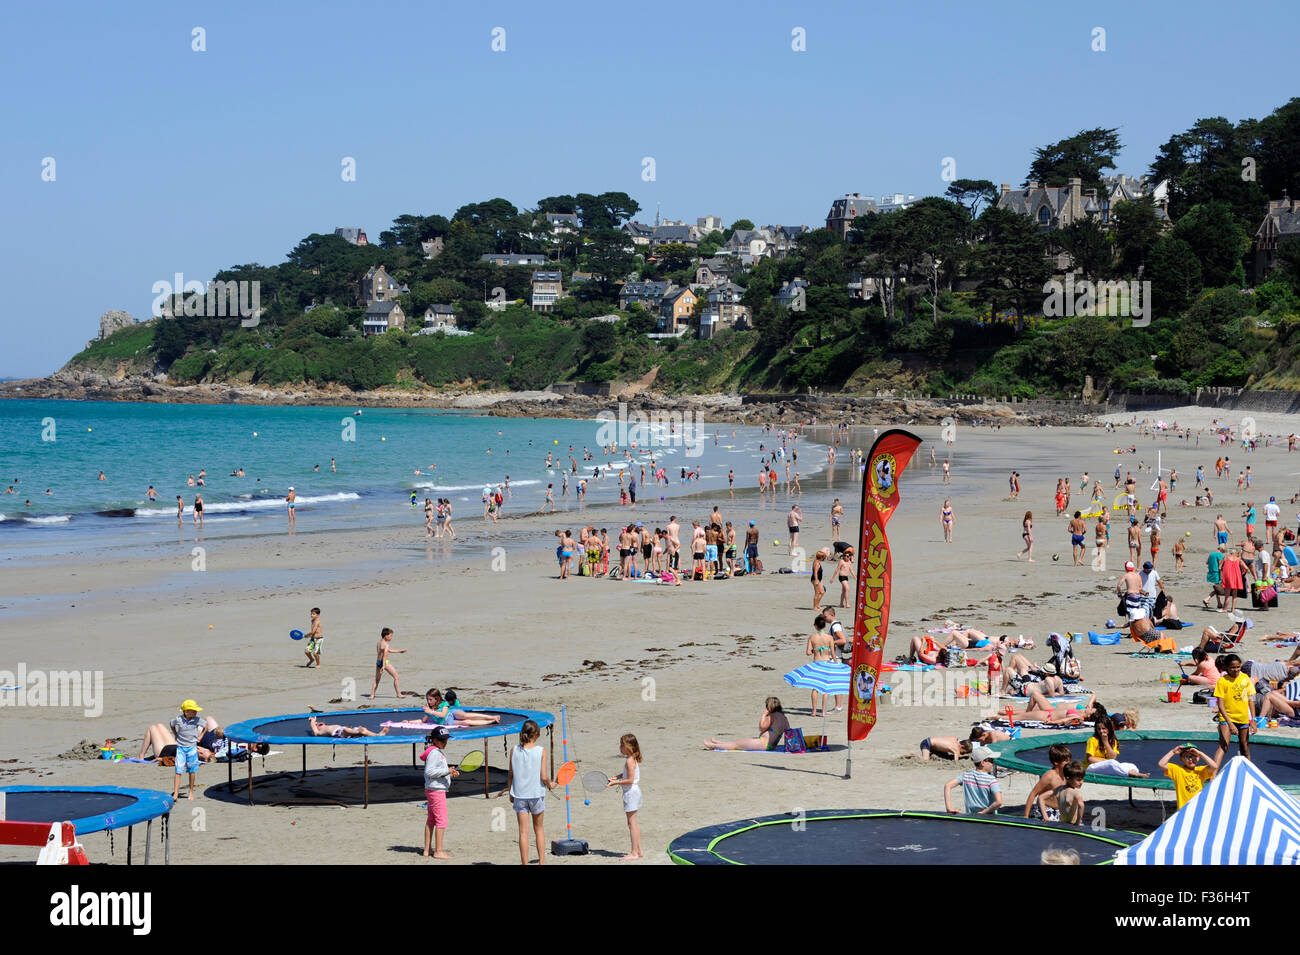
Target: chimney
1006,187
1075,183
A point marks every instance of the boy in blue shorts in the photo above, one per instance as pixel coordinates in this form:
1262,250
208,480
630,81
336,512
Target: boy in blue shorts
187,728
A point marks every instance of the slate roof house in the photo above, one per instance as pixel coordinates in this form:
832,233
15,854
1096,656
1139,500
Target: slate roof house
378,286
355,236
1281,221
646,294
845,210
381,316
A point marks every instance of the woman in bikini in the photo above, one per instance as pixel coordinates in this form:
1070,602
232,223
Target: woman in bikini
819,591
1027,533
821,647
945,516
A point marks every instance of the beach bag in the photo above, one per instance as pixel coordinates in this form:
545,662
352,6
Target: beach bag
794,741
1203,696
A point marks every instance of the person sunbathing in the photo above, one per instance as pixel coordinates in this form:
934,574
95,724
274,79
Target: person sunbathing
341,732
771,730
212,744
967,639
1022,677
925,649
1059,712
1216,641
449,714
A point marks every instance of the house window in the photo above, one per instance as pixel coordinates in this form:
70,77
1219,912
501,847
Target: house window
1044,217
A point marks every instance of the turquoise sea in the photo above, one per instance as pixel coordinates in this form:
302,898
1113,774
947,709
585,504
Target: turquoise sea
62,446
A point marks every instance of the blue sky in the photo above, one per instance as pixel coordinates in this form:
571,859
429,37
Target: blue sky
169,160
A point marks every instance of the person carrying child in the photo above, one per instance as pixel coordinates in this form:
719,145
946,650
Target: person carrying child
437,780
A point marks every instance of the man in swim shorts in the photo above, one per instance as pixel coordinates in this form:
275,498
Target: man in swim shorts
1220,531
1078,530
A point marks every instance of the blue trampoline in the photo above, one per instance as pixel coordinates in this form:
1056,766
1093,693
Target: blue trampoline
294,730
92,809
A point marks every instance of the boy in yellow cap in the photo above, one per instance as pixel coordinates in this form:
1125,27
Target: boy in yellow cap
187,728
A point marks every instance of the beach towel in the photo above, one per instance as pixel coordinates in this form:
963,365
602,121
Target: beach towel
1149,655
1001,721
909,666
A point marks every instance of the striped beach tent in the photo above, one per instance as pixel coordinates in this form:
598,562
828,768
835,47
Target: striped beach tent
1239,818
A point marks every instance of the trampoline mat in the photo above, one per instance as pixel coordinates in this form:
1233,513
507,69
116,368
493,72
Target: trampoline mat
1281,764
93,809
298,726
55,806
907,840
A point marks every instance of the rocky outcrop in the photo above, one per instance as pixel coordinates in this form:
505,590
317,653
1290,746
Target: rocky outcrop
114,320
792,410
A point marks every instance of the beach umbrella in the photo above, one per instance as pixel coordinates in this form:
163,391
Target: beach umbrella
826,677
1241,817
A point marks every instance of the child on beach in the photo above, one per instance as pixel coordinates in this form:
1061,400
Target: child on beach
187,728
630,780
1189,777
1041,803
437,780
979,787
382,666
1069,799
527,784
1234,699
314,637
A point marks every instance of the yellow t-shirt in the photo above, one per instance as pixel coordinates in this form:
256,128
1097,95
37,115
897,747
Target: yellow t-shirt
1233,695
1187,783
1095,750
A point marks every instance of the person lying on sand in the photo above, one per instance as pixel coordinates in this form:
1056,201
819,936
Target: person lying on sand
341,732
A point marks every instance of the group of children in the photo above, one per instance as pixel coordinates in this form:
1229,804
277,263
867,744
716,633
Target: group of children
1056,797
528,782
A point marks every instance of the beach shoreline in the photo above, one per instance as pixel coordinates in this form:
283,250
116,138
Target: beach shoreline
672,665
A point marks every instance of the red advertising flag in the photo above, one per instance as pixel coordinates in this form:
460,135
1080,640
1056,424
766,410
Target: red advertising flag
889,456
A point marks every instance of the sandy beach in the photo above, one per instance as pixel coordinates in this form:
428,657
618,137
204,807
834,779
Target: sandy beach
672,665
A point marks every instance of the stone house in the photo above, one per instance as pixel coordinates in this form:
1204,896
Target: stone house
381,316
1281,221
378,286
547,288
845,210
354,236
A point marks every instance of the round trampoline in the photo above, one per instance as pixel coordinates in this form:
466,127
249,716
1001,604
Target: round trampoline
91,809
891,837
295,730
1276,757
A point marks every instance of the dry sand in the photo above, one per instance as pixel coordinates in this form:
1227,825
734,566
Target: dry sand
161,632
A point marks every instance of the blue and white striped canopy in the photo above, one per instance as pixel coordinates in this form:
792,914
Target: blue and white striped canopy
824,677
1239,818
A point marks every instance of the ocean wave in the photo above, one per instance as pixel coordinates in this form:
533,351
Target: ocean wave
257,504
51,519
469,487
